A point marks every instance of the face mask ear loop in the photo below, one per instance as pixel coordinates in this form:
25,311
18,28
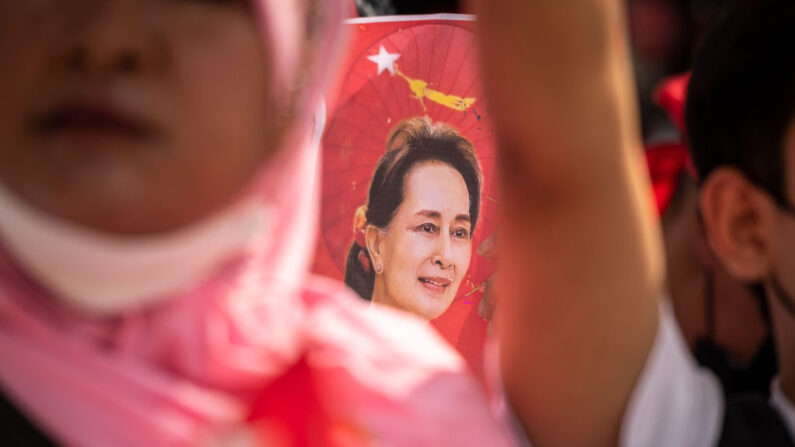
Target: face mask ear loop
757,289
781,295
760,298
709,285
775,285
709,303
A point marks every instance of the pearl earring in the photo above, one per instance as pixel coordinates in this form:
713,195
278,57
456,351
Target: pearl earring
378,268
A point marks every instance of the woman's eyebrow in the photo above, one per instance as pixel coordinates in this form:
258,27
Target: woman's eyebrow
437,215
429,213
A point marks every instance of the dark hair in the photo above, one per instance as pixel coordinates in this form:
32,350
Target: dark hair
390,7
741,97
411,142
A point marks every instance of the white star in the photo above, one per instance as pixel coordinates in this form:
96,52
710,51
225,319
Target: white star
385,61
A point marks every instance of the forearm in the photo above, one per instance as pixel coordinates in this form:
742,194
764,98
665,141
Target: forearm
581,264
576,320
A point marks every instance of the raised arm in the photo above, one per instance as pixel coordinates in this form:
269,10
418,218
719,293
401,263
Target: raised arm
581,266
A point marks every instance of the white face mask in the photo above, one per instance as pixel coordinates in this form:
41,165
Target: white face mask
104,275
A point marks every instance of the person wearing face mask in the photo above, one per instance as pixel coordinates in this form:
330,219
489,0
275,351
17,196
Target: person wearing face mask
158,165
613,368
414,237
725,322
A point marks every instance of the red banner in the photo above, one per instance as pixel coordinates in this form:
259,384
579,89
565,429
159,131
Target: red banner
399,68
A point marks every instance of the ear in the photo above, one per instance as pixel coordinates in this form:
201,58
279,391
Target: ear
374,237
738,218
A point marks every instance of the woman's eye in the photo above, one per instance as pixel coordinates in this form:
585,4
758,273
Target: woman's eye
461,233
427,228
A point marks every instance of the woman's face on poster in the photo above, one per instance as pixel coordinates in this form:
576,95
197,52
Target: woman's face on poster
426,249
132,116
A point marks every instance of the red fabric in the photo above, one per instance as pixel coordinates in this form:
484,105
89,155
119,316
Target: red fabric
289,413
670,94
668,161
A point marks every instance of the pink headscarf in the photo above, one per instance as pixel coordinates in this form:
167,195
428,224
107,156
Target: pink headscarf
258,347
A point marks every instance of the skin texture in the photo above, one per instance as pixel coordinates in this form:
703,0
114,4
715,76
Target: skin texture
583,271
427,239
191,74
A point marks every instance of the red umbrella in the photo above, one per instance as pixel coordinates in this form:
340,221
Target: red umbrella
397,70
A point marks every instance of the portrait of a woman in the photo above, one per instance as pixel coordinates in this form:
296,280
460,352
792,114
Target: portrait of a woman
413,239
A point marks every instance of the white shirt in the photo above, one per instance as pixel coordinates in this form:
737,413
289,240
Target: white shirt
678,403
785,407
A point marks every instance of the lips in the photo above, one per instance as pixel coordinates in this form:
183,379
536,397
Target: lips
435,283
91,119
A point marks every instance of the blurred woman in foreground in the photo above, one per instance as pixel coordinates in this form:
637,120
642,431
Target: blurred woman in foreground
157,178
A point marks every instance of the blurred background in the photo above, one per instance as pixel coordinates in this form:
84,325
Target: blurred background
664,35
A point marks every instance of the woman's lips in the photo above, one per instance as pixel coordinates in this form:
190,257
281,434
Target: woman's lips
437,284
88,120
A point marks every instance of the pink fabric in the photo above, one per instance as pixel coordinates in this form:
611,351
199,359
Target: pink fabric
238,347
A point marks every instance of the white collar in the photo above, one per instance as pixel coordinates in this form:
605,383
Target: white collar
785,407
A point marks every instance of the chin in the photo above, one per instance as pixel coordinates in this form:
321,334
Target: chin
433,312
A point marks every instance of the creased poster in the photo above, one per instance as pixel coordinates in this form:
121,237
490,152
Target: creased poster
408,193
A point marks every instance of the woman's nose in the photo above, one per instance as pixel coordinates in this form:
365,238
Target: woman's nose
107,38
443,256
